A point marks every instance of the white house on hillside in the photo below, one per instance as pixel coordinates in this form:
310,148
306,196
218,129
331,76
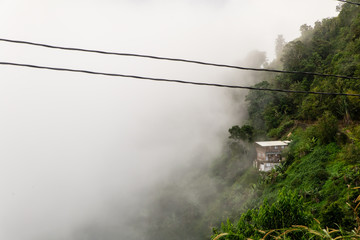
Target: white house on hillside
268,154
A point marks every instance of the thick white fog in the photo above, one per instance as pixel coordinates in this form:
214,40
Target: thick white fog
78,151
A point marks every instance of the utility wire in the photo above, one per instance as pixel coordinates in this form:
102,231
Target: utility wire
349,2
174,59
172,80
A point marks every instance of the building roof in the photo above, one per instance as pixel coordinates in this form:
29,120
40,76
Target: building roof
272,143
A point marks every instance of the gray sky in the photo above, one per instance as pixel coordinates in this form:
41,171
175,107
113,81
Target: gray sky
71,144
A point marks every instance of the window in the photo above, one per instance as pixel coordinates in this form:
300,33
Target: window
282,147
276,147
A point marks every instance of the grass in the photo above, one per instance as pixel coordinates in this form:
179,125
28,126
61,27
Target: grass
315,231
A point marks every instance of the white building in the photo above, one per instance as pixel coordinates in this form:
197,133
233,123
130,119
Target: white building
269,154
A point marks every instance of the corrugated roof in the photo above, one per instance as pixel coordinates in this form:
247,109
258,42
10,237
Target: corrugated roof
272,143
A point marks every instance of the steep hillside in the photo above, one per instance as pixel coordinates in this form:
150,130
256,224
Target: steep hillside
316,186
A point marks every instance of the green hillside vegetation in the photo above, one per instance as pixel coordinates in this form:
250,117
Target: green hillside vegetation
313,193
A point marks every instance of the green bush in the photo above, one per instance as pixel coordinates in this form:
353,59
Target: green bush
351,154
332,216
327,127
281,130
288,210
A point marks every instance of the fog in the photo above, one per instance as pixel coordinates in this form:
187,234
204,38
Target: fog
80,155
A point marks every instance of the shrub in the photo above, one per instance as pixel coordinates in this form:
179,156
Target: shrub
332,215
327,128
288,210
281,130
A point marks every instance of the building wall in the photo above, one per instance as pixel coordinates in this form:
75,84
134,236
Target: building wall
268,157
265,167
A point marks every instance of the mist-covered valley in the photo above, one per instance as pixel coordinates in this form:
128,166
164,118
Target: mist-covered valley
91,157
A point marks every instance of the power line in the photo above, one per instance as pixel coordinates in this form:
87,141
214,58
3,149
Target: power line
349,2
172,80
175,59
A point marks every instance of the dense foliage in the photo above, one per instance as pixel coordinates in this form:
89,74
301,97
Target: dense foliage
314,188
331,46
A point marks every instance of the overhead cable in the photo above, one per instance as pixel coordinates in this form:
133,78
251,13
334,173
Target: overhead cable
349,2
175,59
172,80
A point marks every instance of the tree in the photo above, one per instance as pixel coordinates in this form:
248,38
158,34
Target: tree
279,45
244,133
327,128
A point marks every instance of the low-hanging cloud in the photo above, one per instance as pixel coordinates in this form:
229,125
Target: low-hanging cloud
80,155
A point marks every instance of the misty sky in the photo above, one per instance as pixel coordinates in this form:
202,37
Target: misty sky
73,146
